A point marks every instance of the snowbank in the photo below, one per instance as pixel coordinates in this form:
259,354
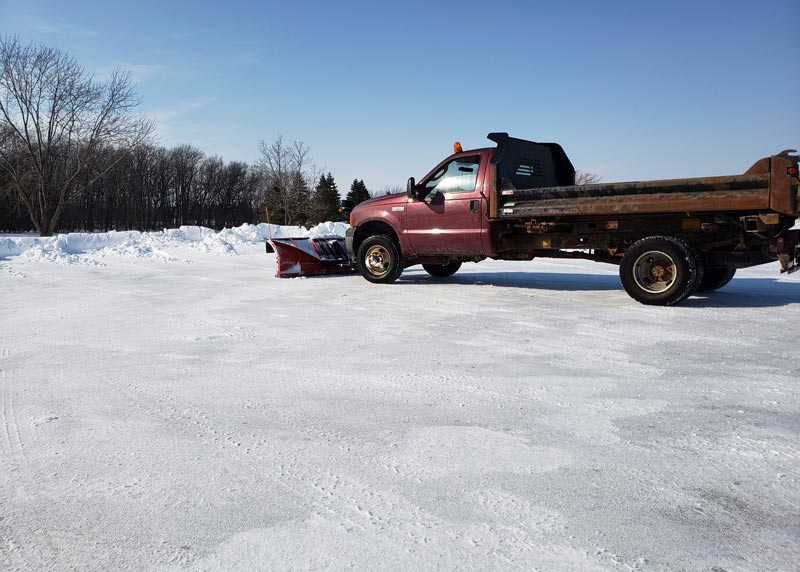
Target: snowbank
68,248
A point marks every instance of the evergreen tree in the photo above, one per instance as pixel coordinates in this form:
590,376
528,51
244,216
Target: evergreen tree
273,200
358,192
325,201
299,203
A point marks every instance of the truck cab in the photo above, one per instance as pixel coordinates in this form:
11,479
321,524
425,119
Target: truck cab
445,218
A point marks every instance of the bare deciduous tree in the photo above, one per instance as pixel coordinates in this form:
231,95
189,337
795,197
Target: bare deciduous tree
185,160
585,178
289,173
388,190
57,124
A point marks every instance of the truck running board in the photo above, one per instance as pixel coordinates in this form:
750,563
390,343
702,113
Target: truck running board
310,256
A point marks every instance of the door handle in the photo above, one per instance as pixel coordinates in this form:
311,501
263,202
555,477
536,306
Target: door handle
473,206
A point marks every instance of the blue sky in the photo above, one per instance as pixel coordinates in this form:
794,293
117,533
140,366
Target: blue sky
379,91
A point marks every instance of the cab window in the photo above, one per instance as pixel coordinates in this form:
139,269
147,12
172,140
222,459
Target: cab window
459,175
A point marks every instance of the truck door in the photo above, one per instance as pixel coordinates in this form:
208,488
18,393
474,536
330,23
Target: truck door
450,218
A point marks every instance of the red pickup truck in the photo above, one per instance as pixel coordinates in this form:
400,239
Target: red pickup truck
519,201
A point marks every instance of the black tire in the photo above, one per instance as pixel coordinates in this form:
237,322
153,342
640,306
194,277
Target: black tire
715,278
379,259
660,271
442,270
701,269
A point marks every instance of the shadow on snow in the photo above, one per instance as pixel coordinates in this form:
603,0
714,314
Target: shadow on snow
740,293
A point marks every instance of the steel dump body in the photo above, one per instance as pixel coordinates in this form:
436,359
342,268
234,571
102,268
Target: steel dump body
738,193
749,192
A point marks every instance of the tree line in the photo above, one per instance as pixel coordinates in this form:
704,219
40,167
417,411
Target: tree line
75,156
152,187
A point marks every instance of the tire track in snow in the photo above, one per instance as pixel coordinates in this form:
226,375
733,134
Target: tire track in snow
8,445
11,432
15,549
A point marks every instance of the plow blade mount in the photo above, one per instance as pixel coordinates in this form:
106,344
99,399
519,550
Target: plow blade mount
310,256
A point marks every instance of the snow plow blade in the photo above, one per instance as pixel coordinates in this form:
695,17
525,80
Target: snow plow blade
310,256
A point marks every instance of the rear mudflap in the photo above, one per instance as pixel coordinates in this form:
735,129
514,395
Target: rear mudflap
310,256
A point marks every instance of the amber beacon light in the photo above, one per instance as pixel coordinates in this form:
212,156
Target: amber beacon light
457,147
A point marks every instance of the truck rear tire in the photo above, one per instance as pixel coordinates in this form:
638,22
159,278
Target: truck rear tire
715,278
379,259
442,270
660,271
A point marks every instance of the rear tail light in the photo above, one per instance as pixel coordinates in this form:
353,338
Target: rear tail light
792,171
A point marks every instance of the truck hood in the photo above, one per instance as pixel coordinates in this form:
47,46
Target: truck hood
380,207
398,199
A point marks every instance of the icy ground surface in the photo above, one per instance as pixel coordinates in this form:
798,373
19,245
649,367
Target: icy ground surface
167,404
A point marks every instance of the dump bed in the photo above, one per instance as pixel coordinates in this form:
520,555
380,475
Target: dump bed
537,180
735,193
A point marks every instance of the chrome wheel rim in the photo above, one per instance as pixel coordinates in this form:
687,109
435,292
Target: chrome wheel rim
654,272
378,260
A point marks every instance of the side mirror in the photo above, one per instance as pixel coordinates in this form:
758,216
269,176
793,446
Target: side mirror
411,188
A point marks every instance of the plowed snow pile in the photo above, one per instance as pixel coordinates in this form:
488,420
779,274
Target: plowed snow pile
81,247
168,405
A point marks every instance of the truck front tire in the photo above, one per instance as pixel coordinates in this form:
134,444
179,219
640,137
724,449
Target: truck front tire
660,271
379,259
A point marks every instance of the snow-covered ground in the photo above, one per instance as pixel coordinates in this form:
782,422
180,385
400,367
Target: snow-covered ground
167,404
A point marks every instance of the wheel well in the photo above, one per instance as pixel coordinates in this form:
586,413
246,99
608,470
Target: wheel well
372,228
